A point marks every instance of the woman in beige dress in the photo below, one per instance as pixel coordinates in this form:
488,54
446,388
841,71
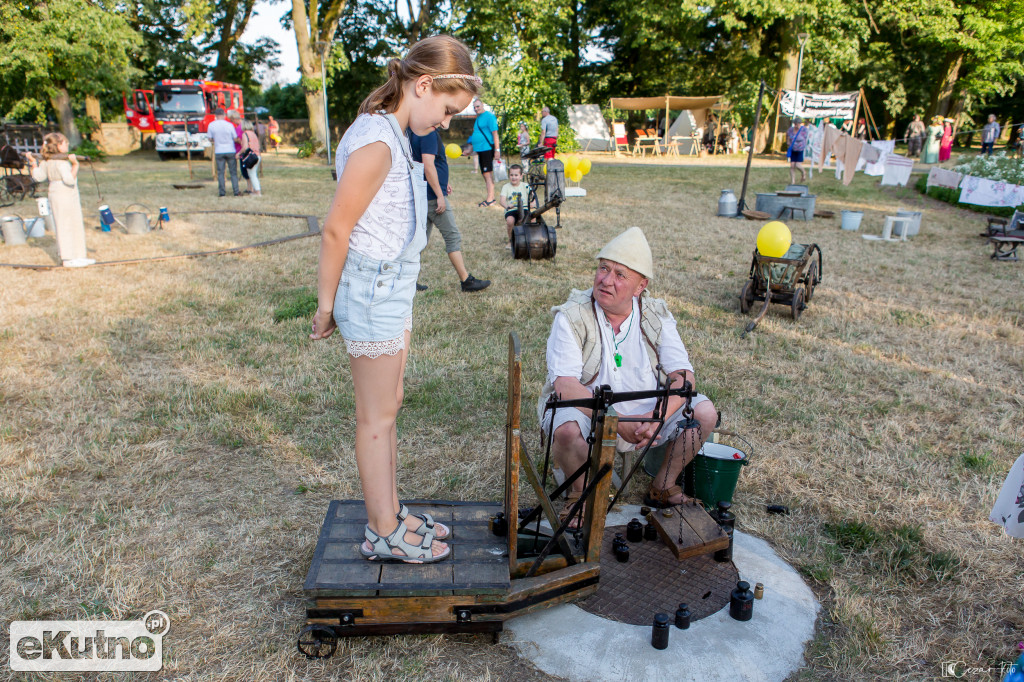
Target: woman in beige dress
64,201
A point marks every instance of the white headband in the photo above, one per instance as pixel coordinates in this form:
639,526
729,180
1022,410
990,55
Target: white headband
461,76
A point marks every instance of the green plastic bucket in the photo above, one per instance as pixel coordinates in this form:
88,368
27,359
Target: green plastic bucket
712,475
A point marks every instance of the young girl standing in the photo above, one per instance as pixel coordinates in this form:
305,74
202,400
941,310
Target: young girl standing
61,170
369,262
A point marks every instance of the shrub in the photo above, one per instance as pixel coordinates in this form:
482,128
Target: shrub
309,148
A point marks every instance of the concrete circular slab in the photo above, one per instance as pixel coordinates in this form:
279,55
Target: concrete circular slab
568,642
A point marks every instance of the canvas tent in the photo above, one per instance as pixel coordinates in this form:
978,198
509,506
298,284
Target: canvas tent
694,111
591,129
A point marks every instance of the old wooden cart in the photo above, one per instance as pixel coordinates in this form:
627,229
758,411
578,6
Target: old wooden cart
504,562
789,280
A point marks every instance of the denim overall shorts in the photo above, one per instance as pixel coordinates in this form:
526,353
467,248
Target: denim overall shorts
374,298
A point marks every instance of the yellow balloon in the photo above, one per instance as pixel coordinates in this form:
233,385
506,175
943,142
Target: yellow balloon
576,175
585,166
774,239
571,164
453,151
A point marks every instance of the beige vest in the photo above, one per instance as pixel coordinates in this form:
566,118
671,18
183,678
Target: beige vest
579,311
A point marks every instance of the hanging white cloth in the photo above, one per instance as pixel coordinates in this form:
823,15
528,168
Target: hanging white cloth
897,170
877,167
814,143
984,192
941,177
1008,511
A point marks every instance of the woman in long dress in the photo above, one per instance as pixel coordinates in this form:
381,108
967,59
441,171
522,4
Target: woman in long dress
62,174
947,140
931,143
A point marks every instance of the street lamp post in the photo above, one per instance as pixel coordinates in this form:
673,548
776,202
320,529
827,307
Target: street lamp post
321,46
803,38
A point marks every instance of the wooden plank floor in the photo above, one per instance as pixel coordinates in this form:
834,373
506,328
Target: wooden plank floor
478,563
689,531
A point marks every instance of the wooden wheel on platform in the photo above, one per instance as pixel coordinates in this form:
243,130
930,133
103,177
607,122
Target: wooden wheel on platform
812,277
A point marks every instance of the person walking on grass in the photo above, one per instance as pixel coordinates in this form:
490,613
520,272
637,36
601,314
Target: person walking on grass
548,132
366,278
60,169
223,136
428,150
798,134
989,135
250,143
484,143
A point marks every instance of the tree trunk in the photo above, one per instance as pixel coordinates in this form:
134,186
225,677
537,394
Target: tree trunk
315,107
571,64
942,99
786,74
309,30
92,110
61,103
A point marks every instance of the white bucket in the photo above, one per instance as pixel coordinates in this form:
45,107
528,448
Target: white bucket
915,221
851,220
35,228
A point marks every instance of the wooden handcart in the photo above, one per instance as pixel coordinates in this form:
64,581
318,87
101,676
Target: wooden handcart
789,280
504,562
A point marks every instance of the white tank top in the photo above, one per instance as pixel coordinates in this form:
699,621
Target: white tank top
389,222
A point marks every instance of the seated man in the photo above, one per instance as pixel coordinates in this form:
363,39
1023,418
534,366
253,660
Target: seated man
614,334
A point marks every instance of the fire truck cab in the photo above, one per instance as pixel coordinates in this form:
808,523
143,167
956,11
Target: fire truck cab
178,112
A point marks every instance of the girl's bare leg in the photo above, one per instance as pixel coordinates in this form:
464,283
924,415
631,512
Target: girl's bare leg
377,383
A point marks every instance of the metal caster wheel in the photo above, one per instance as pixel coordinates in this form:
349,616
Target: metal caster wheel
317,641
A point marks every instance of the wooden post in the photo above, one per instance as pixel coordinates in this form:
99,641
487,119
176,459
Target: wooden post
856,113
871,119
597,510
775,129
512,450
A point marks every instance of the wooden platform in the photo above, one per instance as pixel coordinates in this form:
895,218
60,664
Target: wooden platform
689,531
478,564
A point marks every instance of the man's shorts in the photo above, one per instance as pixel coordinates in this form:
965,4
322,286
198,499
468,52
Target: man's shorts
445,224
550,142
512,213
670,430
486,161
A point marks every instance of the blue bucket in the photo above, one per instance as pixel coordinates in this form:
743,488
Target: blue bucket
165,217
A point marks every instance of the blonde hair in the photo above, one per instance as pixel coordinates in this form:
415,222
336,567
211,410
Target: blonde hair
51,145
439,55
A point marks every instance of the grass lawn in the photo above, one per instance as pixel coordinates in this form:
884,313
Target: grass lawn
166,443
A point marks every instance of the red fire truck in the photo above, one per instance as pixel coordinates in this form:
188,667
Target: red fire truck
179,110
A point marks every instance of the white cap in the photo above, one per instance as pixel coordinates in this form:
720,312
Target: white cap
630,249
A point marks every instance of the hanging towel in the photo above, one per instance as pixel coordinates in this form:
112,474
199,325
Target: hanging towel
1008,511
877,167
897,170
983,192
940,177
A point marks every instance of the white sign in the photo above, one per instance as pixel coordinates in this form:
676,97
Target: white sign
89,645
820,105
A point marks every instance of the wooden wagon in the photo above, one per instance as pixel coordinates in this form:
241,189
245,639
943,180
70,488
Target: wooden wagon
789,280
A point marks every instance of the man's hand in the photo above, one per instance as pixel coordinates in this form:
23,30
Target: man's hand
637,433
450,190
441,205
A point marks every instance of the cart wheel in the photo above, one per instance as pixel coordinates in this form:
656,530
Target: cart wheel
6,198
746,297
317,641
798,303
812,276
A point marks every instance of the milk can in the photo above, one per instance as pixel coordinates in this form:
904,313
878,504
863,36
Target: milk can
727,204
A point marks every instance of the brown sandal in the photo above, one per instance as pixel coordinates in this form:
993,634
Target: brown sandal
660,498
573,496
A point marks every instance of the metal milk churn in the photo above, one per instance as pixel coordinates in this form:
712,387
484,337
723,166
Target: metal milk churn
727,204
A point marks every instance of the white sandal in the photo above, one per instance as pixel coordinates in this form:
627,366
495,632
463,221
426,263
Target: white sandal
440,531
383,547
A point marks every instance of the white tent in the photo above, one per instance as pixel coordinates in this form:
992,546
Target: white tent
591,129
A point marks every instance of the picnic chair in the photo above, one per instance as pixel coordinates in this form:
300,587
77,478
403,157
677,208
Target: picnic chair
621,140
1004,246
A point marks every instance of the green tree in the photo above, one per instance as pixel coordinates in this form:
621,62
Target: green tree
60,50
315,24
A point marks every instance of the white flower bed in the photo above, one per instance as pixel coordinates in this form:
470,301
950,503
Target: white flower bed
996,167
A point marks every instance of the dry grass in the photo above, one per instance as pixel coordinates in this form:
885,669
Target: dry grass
165,444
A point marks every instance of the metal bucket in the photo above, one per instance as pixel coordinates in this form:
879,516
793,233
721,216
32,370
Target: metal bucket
851,220
727,204
136,222
13,228
915,221
35,228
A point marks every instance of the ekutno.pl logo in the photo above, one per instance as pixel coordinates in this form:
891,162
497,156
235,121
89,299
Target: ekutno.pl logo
89,645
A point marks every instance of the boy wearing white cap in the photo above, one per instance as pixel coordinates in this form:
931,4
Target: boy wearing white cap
614,334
